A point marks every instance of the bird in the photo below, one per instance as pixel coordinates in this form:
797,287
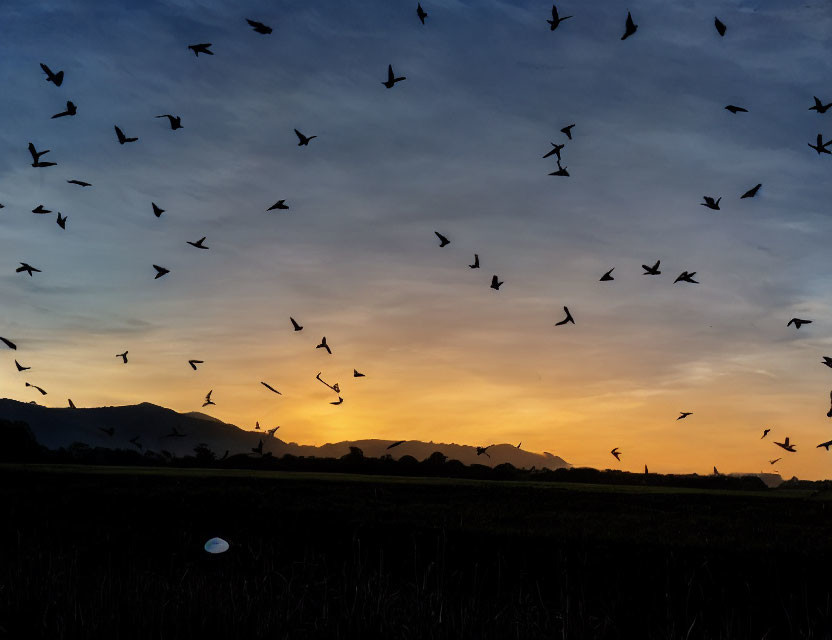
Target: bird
55,78
555,150
786,445
71,403
519,443
61,220
20,367
561,171
324,345
280,204
829,413
391,78
484,450
259,27
80,183
607,276
356,374
175,121
208,399
123,356
765,433
396,444
71,110
295,324
568,318
820,147
775,461
556,19
751,192
157,210
334,387
271,432
797,322
201,48
616,453
123,138
711,203
631,27
303,140
645,470
271,388
41,209
826,445
476,264
716,472
720,26
827,361
421,13
36,161
257,426
443,241
340,400
8,343
734,109
819,106
27,268
568,130
495,284
198,244
259,447
193,363
686,277
684,414
109,430
42,392
135,442
160,271
175,433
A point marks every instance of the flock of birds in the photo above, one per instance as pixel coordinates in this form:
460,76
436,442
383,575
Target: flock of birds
175,123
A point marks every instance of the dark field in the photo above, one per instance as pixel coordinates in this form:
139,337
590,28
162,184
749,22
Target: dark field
117,553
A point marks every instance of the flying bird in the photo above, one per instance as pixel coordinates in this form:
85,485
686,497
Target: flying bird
324,345
160,271
716,472
391,78
61,220
123,138
568,130
41,209
556,19
42,392
630,28
109,430
686,277
484,450
208,399
829,413
396,444
827,361
825,445
495,284
271,388
334,387
257,426
616,453
775,461
819,106
295,324
259,27
201,48
36,161
157,210
751,192
20,367
786,445
555,150
356,374
193,363
71,110
123,356
80,183
175,433
561,171
765,433
271,432
175,121
476,264
259,448
797,322
442,239
340,400
55,78
734,109
820,147
421,13
8,343
280,204
27,268
720,26
568,318
198,244
684,414
711,203
303,140
607,276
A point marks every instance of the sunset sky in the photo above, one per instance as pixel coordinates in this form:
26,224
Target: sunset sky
456,148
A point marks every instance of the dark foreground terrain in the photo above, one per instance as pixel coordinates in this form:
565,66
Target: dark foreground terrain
102,552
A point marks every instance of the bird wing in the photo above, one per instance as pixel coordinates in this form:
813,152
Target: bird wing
390,73
300,136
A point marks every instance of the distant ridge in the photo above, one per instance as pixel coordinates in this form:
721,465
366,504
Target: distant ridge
56,428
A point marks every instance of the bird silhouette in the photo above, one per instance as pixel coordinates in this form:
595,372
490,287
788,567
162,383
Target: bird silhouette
324,345
786,445
295,324
711,203
775,461
820,147
797,322
27,268
720,27
396,444
55,78
80,183
20,367
556,20
829,413
568,130
123,356
630,27
443,241
421,13
41,209
356,374
518,444
568,318
819,106
193,363
716,472
686,277
561,171
271,388
495,284
751,192
391,78
825,445
259,27
61,220
208,399
271,432
484,450
259,448
607,276
8,343
476,264
71,110
334,387
257,426
42,392
36,161
122,139
616,453
765,433
109,430
201,48
734,109
684,414
340,400
555,150
71,403
175,433
135,442
160,271
280,204
827,361
157,210
198,244
303,140
645,470
175,121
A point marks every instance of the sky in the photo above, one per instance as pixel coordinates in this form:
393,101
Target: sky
456,148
